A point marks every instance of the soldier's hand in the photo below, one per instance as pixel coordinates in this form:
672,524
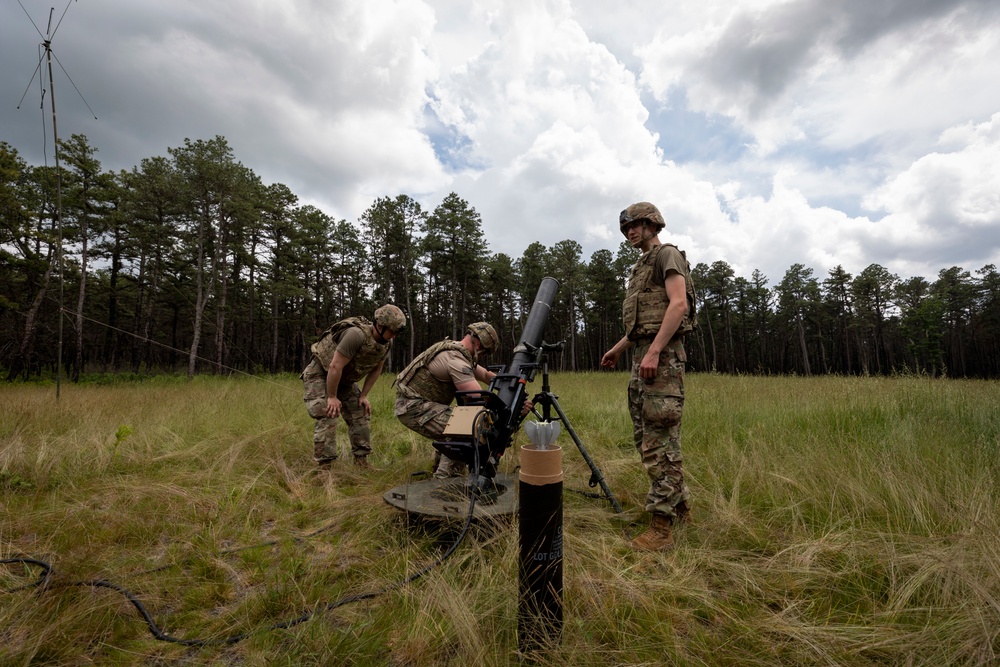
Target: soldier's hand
332,406
526,408
650,362
609,359
365,405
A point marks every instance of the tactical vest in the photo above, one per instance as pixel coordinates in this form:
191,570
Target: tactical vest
367,358
416,380
646,303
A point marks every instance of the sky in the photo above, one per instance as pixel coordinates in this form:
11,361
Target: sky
819,132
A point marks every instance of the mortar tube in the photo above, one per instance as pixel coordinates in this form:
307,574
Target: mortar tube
540,527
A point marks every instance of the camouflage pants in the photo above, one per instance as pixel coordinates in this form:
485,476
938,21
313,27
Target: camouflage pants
655,406
429,420
425,417
325,432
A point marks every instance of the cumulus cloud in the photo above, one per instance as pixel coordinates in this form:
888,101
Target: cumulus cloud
557,125
840,72
835,132
942,210
946,206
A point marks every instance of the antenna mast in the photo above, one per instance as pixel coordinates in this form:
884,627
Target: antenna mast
47,45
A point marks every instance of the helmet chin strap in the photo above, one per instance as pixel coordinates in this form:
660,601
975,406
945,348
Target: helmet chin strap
643,237
380,332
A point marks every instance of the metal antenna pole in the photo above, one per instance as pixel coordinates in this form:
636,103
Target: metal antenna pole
47,44
59,220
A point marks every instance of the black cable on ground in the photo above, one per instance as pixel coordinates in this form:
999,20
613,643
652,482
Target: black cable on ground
157,633
43,578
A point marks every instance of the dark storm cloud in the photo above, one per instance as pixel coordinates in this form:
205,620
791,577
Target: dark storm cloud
303,92
762,52
866,21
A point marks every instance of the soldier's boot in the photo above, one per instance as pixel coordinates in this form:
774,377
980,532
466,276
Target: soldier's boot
362,462
682,513
325,464
447,467
658,537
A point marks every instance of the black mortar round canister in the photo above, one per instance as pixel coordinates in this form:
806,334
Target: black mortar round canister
540,527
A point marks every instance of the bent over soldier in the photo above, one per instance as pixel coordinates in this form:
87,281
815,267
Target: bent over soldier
658,312
350,350
427,386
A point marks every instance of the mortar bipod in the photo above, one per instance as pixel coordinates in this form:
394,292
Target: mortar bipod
550,401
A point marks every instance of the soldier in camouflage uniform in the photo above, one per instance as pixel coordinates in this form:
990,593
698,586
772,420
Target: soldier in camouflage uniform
351,349
658,312
427,386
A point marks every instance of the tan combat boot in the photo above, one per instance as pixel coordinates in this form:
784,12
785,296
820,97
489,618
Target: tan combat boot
450,468
362,462
658,536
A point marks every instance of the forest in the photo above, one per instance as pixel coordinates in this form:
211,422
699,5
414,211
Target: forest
189,263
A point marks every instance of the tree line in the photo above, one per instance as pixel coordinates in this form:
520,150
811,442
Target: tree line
190,263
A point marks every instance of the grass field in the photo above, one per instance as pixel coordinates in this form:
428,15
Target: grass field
837,521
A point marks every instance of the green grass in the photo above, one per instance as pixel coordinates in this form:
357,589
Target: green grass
846,521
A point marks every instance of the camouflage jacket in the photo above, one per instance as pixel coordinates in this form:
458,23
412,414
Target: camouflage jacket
416,380
646,303
368,357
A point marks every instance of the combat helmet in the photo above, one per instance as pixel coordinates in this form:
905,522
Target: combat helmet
640,211
486,334
391,317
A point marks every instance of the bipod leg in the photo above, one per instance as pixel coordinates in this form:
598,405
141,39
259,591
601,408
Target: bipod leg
596,476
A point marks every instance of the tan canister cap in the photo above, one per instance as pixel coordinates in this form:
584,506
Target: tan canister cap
540,466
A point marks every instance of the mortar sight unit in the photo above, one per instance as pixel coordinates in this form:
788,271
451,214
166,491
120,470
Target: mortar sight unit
484,423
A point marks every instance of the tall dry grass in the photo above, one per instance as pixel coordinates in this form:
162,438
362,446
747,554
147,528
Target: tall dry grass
836,521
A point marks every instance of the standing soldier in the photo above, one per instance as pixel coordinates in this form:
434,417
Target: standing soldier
351,349
658,312
427,386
